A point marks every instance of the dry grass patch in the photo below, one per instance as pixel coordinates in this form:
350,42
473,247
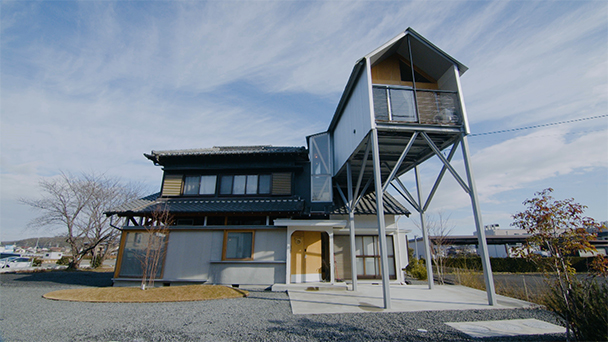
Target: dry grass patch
136,295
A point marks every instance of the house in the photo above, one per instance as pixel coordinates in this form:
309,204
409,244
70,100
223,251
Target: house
244,215
264,214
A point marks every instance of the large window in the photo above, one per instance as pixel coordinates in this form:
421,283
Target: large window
207,185
367,250
321,168
238,245
133,255
245,184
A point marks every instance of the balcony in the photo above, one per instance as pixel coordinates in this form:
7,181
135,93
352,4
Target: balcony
398,104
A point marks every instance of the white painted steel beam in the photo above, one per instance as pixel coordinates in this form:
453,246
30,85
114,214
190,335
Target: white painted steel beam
351,226
481,235
381,224
425,235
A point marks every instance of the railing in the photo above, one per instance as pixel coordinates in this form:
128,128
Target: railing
435,107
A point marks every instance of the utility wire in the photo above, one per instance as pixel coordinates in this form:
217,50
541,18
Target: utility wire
537,126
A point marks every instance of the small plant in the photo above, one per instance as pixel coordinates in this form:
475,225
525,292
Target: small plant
64,261
36,262
96,262
416,269
559,228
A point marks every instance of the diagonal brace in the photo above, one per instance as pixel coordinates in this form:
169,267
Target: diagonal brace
446,162
399,161
440,177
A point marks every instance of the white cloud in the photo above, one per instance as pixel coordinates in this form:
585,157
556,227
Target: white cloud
112,80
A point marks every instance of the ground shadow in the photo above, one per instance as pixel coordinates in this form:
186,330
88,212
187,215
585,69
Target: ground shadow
84,278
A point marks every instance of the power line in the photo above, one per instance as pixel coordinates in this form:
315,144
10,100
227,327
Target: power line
537,126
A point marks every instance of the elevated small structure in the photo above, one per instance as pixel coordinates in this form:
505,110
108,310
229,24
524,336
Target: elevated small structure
402,105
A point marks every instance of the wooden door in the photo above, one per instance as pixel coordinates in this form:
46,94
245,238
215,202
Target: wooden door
306,256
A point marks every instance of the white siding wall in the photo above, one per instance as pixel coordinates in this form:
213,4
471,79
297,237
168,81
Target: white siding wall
354,124
189,253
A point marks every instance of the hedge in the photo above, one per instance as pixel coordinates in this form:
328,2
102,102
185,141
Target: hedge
511,265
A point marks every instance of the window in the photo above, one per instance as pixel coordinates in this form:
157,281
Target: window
252,185
238,187
255,184
134,252
191,184
321,168
238,245
208,185
367,250
264,184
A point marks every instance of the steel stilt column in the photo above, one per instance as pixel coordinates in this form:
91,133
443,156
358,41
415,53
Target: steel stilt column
425,235
351,225
481,235
381,224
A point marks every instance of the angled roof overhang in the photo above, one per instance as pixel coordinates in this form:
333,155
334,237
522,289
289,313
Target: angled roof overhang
147,205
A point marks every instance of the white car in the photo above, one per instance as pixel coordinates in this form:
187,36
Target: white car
15,263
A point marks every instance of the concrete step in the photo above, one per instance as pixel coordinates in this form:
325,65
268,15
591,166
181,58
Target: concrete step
310,287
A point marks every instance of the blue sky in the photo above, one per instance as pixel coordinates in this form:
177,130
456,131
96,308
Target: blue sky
93,85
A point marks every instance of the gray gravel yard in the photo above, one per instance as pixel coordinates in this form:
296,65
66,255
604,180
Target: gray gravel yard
263,316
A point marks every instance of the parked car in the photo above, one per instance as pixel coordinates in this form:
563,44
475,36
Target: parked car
15,262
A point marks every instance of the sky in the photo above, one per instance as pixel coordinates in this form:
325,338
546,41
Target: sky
90,86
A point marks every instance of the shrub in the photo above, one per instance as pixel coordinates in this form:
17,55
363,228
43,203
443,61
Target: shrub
36,262
416,269
64,261
585,308
96,262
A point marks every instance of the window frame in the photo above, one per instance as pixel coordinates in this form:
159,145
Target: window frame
225,244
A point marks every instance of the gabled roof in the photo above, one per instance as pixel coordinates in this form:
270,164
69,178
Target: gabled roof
434,56
155,156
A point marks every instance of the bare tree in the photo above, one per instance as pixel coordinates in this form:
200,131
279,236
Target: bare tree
77,205
157,231
439,228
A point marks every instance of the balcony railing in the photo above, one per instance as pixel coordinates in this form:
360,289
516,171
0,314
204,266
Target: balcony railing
435,107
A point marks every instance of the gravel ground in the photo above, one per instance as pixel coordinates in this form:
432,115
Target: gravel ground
263,316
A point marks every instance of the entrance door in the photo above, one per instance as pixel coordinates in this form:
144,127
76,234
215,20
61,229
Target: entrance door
306,256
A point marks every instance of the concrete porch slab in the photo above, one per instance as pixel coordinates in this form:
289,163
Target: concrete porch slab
404,298
511,327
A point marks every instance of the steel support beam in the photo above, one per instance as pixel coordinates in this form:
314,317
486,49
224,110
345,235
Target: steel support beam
351,226
381,224
481,235
425,235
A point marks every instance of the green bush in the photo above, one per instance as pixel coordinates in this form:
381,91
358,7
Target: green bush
585,309
36,262
416,269
64,261
512,265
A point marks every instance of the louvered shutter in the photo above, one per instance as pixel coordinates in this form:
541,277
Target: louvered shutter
281,183
172,185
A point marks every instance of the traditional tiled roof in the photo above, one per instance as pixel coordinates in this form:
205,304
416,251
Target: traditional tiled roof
367,206
225,150
150,203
